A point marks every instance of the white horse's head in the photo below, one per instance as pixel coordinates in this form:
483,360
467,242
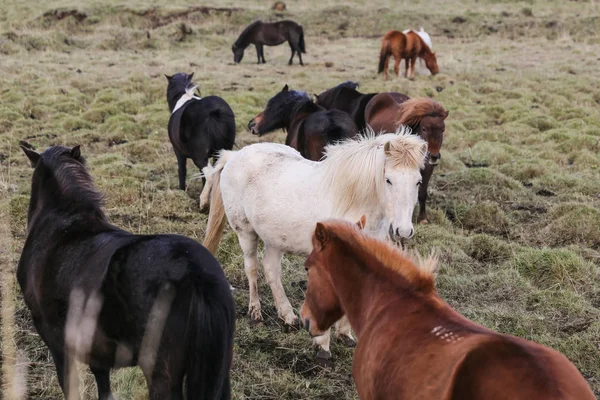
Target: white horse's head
404,158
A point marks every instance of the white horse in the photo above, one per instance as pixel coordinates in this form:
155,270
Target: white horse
269,191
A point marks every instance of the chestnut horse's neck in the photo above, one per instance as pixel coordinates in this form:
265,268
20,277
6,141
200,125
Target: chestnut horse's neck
367,289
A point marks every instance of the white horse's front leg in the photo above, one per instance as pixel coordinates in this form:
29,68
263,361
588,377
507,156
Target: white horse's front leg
249,243
272,265
343,331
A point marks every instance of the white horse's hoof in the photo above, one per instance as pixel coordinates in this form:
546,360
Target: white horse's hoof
255,314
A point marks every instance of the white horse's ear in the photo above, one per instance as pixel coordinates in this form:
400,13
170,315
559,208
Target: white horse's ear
362,222
321,237
386,148
424,147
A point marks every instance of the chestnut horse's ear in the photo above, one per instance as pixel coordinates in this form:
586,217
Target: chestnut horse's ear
76,152
362,222
168,77
321,237
285,88
29,151
386,148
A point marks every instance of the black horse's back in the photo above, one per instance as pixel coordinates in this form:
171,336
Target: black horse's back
158,301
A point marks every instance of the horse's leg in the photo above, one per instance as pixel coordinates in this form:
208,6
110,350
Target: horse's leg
258,52
249,243
103,382
165,381
425,176
300,57
182,167
343,331
397,66
323,342
272,266
292,57
406,68
412,67
386,65
262,54
63,369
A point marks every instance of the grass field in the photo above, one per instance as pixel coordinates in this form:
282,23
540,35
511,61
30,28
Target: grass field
515,202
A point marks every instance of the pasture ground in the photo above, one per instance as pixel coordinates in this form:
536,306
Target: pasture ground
514,205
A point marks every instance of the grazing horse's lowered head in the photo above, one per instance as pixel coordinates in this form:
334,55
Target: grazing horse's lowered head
180,84
278,112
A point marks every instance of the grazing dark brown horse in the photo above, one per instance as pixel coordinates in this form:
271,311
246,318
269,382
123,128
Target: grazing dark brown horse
198,127
309,127
346,98
411,344
409,47
112,299
262,34
426,117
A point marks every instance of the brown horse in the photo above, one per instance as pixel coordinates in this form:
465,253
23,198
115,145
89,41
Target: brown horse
413,345
424,116
407,46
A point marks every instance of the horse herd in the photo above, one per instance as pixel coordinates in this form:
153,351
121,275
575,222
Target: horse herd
341,192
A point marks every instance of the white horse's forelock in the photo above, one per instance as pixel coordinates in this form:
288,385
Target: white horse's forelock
354,170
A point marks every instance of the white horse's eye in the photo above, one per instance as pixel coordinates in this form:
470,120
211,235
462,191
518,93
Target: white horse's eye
387,180
419,183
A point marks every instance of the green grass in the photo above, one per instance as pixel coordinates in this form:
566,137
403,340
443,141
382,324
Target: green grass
514,203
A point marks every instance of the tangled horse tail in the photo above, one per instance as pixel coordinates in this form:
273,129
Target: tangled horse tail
385,51
301,41
216,216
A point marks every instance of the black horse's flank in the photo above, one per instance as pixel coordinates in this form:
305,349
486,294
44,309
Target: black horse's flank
309,127
199,128
113,299
262,34
346,98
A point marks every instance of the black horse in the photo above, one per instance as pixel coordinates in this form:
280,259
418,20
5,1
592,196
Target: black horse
103,295
261,33
309,127
198,128
345,97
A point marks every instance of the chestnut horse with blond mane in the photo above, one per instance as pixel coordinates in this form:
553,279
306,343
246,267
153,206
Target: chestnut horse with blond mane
412,344
409,46
426,117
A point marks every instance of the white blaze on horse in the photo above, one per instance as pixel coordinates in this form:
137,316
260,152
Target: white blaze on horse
269,191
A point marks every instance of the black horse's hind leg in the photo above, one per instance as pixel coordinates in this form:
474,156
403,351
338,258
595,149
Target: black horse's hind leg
181,164
62,371
300,57
292,57
258,52
262,54
103,382
425,176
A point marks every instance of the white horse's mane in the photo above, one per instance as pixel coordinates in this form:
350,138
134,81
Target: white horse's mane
354,170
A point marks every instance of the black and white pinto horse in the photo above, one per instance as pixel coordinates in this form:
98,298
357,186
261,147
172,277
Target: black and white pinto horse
199,127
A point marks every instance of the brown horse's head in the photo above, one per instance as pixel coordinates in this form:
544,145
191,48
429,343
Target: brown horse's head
431,62
426,117
321,308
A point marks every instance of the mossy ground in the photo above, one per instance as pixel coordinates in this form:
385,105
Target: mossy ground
514,203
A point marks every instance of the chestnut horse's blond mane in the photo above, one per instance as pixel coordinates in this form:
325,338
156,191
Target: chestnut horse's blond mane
412,111
417,271
354,169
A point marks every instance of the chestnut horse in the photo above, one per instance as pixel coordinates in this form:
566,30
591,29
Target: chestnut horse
309,127
386,111
411,344
405,47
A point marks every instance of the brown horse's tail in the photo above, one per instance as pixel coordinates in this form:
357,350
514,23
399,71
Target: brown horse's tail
385,51
216,216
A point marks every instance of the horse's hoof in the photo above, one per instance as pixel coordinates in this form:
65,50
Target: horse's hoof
424,221
255,315
204,210
323,357
293,327
347,341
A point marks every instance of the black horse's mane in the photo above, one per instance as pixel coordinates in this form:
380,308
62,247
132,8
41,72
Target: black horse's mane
75,185
241,40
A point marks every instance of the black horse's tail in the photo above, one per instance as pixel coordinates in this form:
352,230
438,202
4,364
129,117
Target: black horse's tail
301,41
210,344
385,51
